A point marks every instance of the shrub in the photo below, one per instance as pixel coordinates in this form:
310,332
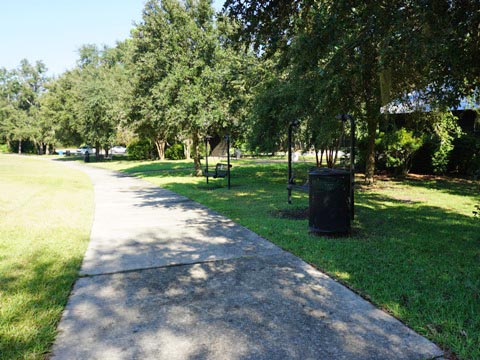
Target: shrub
465,156
27,147
141,149
399,148
422,161
175,152
445,131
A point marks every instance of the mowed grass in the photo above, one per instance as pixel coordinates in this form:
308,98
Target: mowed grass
46,211
414,250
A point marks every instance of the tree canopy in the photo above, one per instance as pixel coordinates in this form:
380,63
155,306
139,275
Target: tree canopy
249,71
355,57
184,76
20,92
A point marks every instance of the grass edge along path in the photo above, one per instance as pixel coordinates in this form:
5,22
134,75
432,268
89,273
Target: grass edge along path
414,252
46,212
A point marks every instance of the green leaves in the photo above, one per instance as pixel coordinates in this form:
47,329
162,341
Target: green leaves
399,148
354,57
188,82
446,130
20,91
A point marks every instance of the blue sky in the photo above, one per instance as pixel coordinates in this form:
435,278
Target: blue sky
53,30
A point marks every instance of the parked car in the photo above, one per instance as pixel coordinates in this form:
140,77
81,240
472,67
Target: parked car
84,149
119,150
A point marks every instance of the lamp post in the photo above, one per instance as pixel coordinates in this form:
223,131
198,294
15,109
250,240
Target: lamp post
293,124
206,155
227,138
344,118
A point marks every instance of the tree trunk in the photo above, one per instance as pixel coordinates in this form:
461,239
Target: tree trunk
373,101
372,123
97,150
160,145
19,147
329,153
372,112
316,156
196,155
187,148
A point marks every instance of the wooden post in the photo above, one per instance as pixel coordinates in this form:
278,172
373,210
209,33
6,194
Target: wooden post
352,166
290,170
206,157
344,118
227,137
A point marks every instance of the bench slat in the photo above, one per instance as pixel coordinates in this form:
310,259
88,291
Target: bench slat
221,170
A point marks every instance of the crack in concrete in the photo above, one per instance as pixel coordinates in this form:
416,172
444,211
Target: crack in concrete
171,266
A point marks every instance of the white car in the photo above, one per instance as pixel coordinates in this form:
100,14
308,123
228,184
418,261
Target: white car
119,150
85,149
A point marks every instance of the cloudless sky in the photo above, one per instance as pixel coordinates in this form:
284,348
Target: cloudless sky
53,30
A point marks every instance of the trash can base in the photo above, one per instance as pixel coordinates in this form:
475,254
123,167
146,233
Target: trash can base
329,233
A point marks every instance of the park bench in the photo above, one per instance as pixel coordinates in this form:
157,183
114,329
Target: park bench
221,170
305,187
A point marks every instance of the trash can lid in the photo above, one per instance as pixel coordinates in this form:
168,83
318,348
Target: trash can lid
327,172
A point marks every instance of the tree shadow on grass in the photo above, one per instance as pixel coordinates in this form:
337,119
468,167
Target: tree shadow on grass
160,167
454,186
421,262
71,158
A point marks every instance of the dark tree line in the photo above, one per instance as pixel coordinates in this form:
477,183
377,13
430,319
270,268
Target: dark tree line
357,57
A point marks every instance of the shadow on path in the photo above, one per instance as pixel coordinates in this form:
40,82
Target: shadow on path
166,278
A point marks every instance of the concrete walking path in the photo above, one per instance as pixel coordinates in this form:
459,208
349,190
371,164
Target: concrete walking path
167,278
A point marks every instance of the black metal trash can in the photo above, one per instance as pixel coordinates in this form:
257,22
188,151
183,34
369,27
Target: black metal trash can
329,201
87,157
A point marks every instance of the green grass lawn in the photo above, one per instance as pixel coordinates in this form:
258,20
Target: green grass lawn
46,211
414,252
